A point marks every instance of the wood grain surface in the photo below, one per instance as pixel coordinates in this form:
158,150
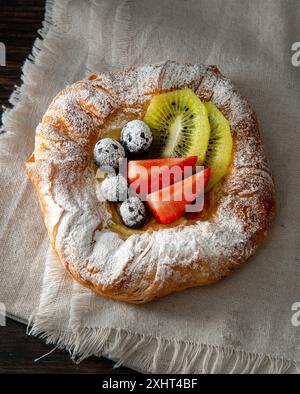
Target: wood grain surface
19,23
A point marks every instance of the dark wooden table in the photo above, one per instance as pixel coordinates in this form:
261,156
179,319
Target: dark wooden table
19,22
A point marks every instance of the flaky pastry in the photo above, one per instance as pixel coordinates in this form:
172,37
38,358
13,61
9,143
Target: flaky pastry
152,263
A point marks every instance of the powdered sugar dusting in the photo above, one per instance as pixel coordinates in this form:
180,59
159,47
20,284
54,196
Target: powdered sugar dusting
136,136
136,269
227,98
133,212
108,153
222,91
206,86
114,188
133,86
176,76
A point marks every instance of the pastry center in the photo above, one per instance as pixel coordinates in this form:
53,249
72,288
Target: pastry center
175,144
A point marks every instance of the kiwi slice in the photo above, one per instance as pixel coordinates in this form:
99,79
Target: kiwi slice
218,155
179,123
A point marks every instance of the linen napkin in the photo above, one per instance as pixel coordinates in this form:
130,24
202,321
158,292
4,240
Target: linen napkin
244,323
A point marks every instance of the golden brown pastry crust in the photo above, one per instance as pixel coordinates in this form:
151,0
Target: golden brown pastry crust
152,264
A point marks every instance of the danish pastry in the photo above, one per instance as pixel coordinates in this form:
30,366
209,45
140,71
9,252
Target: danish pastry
90,240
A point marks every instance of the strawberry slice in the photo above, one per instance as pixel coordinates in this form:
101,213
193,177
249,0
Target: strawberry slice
147,176
169,204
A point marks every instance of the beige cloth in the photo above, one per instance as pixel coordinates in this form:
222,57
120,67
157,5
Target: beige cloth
242,324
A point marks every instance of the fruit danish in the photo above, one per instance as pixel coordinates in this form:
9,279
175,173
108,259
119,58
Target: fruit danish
102,154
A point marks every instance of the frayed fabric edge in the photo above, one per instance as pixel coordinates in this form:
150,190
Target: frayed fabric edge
158,354
29,68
